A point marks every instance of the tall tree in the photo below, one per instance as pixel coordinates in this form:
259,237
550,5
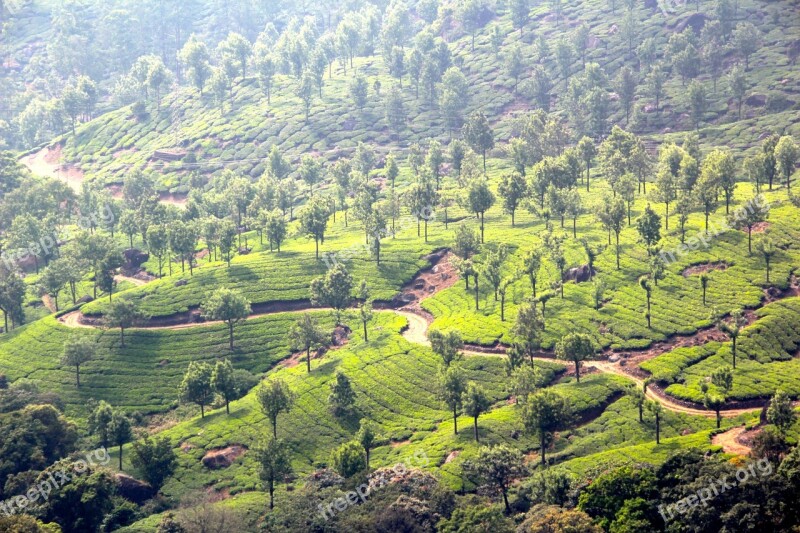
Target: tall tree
196,385
498,467
314,221
342,397
787,155
274,465
305,334
512,189
575,347
476,402
334,290
447,345
542,413
480,198
123,313
121,432
226,305
478,134
658,411
780,412
766,248
452,385
78,349
733,329
274,397
100,422
224,383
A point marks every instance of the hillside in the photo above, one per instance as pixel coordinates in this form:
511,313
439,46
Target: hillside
421,265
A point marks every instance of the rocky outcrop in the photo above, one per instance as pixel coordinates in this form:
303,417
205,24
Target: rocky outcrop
223,457
132,489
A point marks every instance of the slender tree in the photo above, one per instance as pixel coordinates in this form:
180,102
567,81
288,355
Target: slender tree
275,397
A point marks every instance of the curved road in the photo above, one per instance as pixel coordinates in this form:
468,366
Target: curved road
417,332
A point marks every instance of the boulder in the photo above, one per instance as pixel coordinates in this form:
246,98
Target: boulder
132,489
181,282
697,21
756,100
84,299
133,259
223,457
579,274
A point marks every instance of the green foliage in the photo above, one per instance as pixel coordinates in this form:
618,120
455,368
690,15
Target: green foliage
349,459
154,459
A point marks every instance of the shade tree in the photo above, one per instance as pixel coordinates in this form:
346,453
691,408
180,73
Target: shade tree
575,347
228,306
274,397
542,414
452,385
196,385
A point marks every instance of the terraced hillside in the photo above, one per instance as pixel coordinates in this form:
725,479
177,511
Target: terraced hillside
507,266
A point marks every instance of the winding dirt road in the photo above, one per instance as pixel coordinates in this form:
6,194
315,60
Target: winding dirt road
417,333
729,443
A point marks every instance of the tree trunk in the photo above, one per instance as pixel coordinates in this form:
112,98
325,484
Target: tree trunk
541,446
365,332
230,335
455,421
308,359
475,428
120,456
578,371
658,429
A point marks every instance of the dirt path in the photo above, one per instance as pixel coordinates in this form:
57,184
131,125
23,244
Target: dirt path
428,283
49,162
730,444
136,281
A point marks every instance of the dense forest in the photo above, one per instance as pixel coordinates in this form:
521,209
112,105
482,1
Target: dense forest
399,266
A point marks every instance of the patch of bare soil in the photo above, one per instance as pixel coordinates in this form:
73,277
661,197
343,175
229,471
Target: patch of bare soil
439,276
223,457
451,456
761,227
398,443
730,441
124,151
47,162
702,268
